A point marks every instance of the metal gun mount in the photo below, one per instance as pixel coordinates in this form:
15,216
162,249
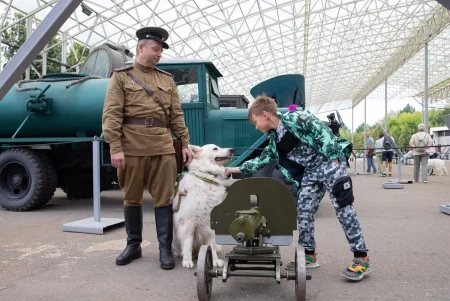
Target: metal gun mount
257,216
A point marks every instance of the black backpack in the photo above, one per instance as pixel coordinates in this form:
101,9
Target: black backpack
387,144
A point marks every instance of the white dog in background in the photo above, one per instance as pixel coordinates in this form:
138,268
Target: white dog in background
437,165
198,193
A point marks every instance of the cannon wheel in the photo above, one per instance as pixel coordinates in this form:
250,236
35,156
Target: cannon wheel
204,281
300,274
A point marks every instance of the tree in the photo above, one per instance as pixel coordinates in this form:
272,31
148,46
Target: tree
54,53
15,36
435,117
408,109
72,59
360,128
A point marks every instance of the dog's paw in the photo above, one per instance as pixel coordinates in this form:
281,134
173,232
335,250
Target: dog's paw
218,263
188,264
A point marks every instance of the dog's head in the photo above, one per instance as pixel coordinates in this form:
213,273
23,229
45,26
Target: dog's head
211,154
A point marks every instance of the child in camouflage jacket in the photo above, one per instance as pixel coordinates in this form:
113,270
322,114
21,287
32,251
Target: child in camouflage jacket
324,157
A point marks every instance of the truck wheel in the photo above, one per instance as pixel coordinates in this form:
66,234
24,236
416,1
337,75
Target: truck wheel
78,183
24,180
52,177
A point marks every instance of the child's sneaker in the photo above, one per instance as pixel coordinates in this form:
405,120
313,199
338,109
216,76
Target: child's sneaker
310,263
358,269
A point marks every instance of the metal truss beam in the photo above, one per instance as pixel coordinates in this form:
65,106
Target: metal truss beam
305,35
95,25
32,13
433,26
440,91
36,42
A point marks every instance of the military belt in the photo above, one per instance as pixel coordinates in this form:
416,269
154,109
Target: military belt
146,121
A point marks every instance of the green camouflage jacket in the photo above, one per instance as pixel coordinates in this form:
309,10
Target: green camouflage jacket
311,131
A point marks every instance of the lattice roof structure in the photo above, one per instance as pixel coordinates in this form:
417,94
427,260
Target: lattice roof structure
346,49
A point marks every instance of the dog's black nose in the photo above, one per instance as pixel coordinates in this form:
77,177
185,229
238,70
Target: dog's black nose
231,150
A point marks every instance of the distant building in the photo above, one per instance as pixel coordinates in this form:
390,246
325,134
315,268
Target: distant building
233,102
442,136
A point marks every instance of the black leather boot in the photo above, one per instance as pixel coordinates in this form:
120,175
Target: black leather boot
164,230
133,226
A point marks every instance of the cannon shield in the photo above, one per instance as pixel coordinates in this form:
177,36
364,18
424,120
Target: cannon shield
275,202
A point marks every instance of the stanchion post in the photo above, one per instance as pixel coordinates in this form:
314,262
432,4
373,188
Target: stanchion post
94,225
96,177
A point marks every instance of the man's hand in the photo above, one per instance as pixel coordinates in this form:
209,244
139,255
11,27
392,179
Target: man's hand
230,170
187,154
118,160
335,161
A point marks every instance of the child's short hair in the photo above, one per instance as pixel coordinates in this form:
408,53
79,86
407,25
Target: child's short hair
262,103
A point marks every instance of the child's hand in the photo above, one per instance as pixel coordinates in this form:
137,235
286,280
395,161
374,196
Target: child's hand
230,170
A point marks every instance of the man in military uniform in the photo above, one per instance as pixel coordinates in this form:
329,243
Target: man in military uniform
137,124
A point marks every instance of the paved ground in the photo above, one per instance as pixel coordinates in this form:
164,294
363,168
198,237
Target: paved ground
407,235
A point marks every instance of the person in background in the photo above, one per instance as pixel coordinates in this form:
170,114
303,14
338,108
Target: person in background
387,155
419,143
433,149
378,153
370,153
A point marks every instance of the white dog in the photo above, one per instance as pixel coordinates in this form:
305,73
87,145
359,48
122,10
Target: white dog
437,165
198,193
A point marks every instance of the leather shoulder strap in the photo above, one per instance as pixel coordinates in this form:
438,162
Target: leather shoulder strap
123,68
162,71
152,94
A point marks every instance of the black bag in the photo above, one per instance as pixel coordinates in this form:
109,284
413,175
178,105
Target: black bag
387,144
343,191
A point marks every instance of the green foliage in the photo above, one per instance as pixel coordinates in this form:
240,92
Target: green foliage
408,109
16,36
401,125
72,60
360,128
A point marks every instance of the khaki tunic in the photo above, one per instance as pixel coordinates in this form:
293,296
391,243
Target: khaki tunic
126,98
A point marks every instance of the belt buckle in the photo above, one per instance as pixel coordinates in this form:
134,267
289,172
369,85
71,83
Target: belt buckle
147,122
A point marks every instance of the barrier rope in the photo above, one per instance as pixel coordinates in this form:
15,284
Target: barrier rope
399,147
445,146
7,145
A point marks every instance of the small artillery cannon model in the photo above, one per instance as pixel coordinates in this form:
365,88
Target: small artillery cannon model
257,230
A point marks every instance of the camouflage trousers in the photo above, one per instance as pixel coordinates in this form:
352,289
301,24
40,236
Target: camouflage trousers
312,191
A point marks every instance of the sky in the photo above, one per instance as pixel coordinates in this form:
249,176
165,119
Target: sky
375,111
375,104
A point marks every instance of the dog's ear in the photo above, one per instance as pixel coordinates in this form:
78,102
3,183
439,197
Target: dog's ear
195,149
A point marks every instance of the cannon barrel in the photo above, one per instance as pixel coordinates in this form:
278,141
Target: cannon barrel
246,224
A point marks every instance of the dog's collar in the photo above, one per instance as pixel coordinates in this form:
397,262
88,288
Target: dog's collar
207,180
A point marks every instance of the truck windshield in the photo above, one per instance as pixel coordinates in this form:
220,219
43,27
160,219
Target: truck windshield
187,83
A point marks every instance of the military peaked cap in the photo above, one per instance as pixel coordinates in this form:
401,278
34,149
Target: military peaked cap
153,33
